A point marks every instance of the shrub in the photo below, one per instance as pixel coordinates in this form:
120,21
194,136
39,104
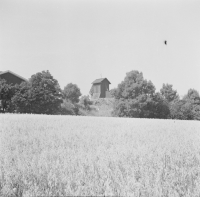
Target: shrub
68,108
85,102
72,93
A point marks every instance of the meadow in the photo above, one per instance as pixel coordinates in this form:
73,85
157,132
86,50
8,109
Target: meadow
97,156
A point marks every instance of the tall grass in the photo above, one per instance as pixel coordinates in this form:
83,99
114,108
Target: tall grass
95,156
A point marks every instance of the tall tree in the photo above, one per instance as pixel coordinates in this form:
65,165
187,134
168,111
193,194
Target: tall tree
159,107
192,99
46,93
134,85
168,92
171,98
193,96
187,108
72,93
41,95
6,94
22,100
136,97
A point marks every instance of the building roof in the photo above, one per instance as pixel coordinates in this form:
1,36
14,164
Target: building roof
100,80
8,71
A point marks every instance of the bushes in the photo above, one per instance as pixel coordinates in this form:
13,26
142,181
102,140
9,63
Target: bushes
68,108
187,108
85,102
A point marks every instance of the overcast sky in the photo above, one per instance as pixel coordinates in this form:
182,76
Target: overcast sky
80,41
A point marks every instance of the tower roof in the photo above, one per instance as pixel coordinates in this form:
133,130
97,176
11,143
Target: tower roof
100,80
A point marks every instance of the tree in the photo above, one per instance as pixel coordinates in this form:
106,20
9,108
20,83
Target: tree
196,112
136,97
126,108
41,95
46,93
68,108
113,92
134,85
187,108
6,94
91,92
72,93
171,98
181,110
192,96
22,98
158,107
168,93
192,100
85,102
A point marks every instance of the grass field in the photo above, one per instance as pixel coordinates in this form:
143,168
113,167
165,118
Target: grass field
81,156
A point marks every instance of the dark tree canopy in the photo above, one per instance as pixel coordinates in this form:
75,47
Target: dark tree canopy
180,109
22,99
192,96
46,93
159,107
168,93
192,100
41,95
6,94
136,97
187,108
72,93
134,85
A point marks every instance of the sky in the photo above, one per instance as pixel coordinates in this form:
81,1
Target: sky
79,41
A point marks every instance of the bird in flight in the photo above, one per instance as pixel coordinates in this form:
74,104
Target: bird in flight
165,42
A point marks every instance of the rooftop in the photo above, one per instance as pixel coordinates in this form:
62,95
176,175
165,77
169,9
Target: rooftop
100,80
8,71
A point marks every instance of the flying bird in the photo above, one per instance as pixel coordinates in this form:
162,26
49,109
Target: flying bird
165,42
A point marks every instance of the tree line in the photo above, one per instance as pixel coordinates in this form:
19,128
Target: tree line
41,94
134,97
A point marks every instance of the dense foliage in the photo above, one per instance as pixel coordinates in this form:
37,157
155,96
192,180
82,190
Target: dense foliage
22,98
85,102
136,97
169,93
187,108
69,108
40,95
6,94
72,93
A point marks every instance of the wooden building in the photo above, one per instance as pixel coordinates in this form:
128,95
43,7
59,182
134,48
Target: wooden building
11,78
100,88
